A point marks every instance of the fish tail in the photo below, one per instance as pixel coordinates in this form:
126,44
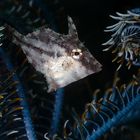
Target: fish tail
13,35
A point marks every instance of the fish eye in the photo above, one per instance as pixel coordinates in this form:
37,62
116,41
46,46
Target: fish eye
76,53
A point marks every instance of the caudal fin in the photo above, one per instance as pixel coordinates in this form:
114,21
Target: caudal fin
13,34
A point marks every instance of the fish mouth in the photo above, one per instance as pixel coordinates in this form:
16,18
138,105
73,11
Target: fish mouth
96,67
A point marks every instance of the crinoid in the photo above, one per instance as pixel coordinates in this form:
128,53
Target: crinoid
15,117
125,40
117,106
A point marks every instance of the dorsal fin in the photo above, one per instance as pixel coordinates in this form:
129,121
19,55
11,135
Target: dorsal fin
71,27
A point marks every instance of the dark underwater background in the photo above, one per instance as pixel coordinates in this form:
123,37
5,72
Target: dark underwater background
28,112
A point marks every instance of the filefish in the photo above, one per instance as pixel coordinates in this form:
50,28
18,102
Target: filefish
63,59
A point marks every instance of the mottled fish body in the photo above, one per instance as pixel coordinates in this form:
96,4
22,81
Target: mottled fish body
63,59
